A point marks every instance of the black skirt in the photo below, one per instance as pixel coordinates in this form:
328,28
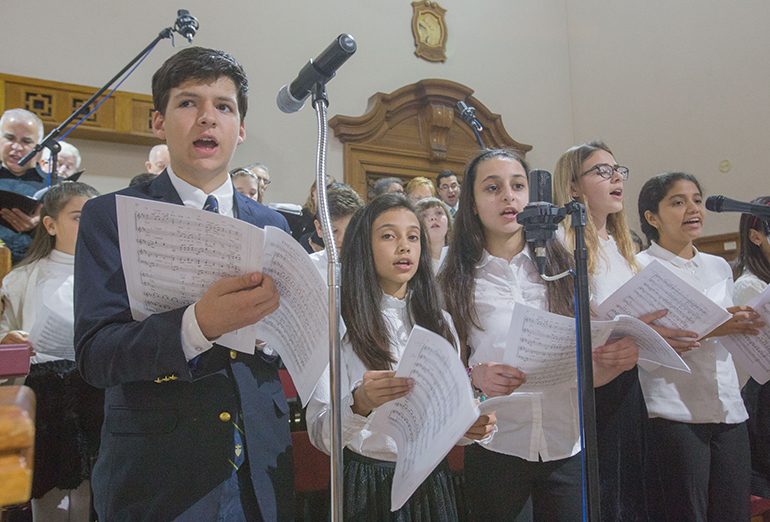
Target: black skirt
757,399
629,479
367,485
68,421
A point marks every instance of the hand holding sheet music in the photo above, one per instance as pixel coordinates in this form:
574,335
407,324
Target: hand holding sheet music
752,352
432,417
544,345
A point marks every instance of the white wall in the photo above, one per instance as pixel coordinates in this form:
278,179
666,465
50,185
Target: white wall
669,85
513,53
676,86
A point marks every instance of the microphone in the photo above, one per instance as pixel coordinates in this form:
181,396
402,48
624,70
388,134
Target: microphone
468,115
723,204
540,217
186,24
292,96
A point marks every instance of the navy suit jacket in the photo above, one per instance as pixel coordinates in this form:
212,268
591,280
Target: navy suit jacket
165,441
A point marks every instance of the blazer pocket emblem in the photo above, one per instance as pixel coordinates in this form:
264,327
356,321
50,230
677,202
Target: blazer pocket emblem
166,378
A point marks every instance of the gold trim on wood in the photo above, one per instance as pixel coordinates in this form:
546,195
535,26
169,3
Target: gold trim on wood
124,118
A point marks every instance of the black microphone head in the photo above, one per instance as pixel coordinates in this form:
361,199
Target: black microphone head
714,203
186,24
335,55
540,186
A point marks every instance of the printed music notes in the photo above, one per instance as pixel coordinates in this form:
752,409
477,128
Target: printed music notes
172,254
544,345
53,330
432,417
753,351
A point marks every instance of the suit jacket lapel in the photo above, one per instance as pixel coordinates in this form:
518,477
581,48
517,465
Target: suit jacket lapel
162,189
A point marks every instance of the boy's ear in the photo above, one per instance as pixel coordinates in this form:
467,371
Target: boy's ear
242,132
318,228
158,125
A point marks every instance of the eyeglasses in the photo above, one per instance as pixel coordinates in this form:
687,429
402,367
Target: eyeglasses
264,181
453,186
607,171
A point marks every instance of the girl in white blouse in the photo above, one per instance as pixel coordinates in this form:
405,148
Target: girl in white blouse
531,470
387,287
697,419
438,222
752,275
63,446
628,475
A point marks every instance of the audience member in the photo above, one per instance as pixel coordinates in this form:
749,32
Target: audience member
67,161
419,188
304,230
449,190
263,174
141,178
159,159
438,222
343,203
386,185
20,131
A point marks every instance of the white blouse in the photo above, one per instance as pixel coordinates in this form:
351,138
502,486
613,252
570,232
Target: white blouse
747,287
356,434
612,271
540,425
711,393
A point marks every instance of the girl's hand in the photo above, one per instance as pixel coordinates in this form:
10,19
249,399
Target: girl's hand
483,427
14,338
496,379
743,322
377,388
675,338
614,358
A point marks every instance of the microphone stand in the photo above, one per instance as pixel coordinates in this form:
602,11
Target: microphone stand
540,220
50,141
320,102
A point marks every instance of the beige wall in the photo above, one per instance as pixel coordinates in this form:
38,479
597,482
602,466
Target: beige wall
669,85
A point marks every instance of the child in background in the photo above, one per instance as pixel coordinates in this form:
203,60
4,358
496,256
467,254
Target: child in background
435,215
67,409
343,203
387,287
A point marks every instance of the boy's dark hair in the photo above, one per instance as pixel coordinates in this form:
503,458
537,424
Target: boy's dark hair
141,178
444,174
343,201
203,65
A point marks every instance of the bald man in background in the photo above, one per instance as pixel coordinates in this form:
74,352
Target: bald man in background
159,159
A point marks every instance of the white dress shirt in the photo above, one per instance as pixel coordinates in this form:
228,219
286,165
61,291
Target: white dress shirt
194,342
356,434
710,394
321,262
541,425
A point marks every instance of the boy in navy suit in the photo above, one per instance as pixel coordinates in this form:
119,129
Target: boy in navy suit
192,430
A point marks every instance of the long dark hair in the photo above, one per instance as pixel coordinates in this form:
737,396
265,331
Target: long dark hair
751,257
653,192
361,295
457,276
54,202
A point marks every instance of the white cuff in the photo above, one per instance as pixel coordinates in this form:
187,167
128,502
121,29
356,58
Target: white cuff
194,342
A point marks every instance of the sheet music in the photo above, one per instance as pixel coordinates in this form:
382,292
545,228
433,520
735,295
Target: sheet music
432,417
53,330
172,254
752,352
656,288
299,329
543,345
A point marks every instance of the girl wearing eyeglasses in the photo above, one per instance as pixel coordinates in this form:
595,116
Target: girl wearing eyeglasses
698,420
627,470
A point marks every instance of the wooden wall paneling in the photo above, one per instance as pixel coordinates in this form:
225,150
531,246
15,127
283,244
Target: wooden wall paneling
724,245
124,117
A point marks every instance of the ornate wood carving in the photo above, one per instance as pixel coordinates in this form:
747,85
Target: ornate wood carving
415,131
124,118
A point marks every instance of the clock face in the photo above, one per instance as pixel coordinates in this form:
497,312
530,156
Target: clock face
429,29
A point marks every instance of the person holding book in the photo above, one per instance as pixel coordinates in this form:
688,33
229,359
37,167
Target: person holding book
697,419
192,431
387,288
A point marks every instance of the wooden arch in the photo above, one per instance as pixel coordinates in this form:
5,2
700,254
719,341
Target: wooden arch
415,131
